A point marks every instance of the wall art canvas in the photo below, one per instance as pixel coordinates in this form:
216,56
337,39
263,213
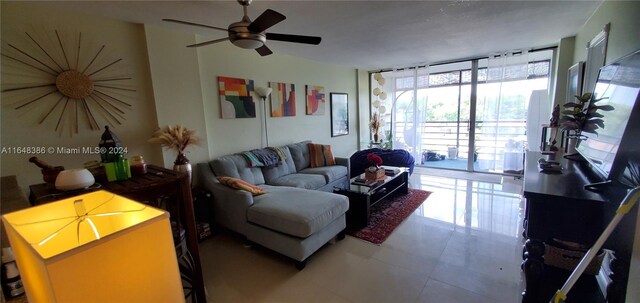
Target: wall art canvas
315,100
235,98
283,99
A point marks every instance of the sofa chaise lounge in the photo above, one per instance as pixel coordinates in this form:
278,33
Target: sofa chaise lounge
296,216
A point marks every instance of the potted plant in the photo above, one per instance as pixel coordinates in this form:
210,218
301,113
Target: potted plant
576,118
387,142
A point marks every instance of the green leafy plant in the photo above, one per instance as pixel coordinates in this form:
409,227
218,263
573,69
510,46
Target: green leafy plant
388,144
576,118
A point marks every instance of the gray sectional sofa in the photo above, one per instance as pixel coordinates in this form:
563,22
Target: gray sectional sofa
296,216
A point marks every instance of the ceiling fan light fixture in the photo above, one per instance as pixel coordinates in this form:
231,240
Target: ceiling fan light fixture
249,34
241,37
248,43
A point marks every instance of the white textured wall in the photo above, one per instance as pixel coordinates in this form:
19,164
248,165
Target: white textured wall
20,128
563,63
233,135
624,34
185,84
176,87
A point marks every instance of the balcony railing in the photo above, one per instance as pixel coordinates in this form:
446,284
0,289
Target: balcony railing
493,138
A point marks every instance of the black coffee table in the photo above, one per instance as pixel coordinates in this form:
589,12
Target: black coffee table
362,197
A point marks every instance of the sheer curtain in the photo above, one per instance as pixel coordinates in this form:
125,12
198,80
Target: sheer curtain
499,102
408,108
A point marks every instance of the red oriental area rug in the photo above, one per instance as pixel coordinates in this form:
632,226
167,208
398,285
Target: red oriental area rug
387,215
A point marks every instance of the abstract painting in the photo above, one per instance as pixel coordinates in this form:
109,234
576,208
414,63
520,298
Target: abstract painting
339,114
283,99
235,98
315,100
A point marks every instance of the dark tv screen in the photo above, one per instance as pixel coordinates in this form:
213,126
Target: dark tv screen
618,84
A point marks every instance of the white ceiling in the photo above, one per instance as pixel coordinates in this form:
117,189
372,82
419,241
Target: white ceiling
373,34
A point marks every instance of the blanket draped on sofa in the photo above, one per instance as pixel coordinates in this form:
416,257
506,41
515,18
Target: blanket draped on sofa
265,157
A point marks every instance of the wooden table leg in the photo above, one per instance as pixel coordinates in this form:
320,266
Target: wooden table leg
192,239
533,267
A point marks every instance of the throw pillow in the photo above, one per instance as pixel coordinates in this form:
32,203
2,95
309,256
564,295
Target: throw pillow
241,185
320,155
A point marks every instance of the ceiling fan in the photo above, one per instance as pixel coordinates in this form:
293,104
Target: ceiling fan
251,35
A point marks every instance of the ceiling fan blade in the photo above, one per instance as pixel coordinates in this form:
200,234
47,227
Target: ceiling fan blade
208,42
268,19
294,38
194,24
264,51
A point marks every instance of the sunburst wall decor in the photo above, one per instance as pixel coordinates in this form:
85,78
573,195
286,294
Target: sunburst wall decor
75,86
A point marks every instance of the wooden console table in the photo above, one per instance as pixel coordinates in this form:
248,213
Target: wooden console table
158,182
558,207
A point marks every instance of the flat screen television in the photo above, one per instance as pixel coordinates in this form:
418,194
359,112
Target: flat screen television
602,137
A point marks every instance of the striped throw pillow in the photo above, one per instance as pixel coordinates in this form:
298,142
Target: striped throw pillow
320,155
241,185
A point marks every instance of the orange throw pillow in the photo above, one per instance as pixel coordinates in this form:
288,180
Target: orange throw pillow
320,155
241,185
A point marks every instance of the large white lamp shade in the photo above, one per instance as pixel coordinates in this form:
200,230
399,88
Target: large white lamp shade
97,247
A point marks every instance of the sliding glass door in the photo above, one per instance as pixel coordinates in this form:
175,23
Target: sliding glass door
431,108
501,111
445,128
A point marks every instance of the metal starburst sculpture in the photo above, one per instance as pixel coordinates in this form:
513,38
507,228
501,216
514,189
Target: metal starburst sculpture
77,89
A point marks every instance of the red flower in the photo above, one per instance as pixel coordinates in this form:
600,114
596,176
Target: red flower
374,159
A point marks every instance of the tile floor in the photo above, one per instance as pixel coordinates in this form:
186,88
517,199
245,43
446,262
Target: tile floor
462,245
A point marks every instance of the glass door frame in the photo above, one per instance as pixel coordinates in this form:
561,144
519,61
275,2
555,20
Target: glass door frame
473,98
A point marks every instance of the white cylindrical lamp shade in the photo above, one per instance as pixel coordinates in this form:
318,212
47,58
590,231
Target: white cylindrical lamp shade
130,257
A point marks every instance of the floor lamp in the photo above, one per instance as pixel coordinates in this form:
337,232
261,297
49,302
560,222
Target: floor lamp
264,92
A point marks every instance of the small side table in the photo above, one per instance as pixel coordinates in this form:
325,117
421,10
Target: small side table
158,182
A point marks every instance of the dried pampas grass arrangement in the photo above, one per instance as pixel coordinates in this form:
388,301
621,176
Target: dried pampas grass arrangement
375,123
176,137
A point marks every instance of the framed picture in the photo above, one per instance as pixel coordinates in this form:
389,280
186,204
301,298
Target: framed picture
339,114
574,81
283,99
236,100
315,100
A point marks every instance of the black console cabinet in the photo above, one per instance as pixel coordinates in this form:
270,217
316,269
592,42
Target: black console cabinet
558,207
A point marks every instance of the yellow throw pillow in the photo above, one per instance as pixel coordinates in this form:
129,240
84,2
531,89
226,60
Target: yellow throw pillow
241,185
321,155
